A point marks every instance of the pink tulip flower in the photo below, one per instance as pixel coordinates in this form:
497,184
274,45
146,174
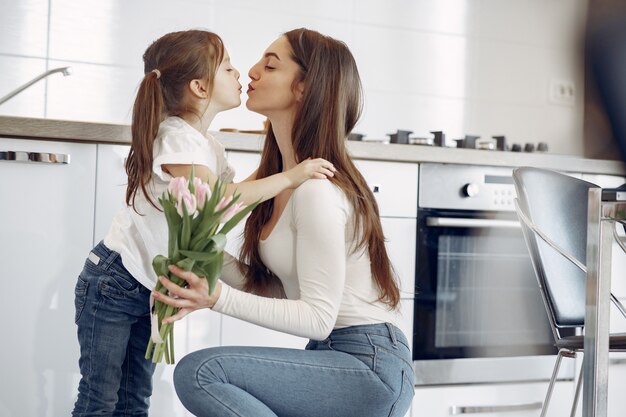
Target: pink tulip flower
203,192
177,185
232,210
223,202
189,200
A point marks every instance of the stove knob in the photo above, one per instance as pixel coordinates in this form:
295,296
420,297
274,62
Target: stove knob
470,190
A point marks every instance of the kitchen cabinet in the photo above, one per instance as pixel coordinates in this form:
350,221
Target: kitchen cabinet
400,241
394,185
491,400
47,214
245,164
111,183
617,377
617,380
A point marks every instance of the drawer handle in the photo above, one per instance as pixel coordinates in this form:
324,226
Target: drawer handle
455,410
375,188
41,157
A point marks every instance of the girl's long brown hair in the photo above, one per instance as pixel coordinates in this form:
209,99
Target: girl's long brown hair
179,57
329,110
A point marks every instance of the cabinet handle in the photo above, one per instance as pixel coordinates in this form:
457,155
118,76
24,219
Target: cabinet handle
42,157
455,410
375,188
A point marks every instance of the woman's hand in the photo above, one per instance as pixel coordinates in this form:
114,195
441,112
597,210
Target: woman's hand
194,296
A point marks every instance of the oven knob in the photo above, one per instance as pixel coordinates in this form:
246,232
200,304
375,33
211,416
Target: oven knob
470,190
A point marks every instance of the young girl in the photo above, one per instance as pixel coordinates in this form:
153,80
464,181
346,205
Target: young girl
316,263
188,80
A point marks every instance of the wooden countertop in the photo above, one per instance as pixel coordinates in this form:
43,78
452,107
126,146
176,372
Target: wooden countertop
63,130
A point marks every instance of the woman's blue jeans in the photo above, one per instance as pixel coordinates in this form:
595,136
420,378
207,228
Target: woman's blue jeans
357,371
112,315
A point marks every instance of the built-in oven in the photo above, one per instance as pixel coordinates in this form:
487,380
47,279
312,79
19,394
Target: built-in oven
479,315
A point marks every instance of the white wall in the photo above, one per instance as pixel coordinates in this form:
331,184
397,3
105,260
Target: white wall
462,66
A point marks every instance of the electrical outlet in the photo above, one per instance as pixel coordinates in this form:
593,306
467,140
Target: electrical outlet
562,92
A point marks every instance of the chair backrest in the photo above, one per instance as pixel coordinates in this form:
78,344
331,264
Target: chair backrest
557,204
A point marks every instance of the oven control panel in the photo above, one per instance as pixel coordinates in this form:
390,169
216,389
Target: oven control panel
466,187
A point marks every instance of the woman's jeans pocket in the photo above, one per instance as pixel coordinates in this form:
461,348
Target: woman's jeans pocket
358,345
115,286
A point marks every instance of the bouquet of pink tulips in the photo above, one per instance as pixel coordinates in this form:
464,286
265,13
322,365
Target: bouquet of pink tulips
196,243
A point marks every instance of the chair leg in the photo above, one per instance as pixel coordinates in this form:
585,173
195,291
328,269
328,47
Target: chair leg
555,373
577,395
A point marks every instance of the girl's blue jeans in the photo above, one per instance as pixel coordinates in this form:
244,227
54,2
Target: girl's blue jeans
112,315
359,371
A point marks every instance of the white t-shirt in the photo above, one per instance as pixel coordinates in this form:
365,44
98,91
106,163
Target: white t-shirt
138,238
327,284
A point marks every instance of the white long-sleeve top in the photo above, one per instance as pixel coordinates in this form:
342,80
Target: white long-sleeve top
311,249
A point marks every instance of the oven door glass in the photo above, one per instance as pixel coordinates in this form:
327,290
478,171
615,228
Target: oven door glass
476,292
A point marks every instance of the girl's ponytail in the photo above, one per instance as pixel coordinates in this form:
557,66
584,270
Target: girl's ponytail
170,63
147,115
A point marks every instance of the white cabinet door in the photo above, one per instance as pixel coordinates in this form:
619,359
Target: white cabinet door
199,330
111,183
617,379
400,238
505,400
244,163
47,215
237,332
394,185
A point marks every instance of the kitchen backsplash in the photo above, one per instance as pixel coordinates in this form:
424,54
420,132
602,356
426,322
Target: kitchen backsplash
483,67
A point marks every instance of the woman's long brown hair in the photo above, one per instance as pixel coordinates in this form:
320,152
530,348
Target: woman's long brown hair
179,58
330,107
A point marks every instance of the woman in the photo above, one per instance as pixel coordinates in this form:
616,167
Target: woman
315,263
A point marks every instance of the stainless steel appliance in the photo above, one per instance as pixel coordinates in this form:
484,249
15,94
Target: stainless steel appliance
479,316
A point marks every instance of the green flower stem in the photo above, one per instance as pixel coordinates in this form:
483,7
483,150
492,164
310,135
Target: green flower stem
164,333
150,348
171,344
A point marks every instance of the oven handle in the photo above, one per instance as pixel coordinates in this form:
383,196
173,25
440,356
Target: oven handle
472,223
456,410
